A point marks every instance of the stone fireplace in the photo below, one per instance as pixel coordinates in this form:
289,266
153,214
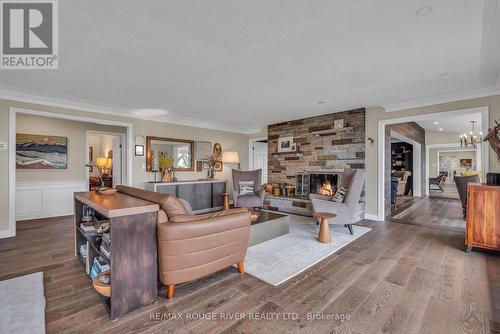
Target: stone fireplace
323,150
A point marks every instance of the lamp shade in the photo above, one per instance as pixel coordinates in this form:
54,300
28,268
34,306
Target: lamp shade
101,162
230,157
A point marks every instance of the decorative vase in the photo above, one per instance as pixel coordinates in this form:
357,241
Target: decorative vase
276,191
211,173
167,176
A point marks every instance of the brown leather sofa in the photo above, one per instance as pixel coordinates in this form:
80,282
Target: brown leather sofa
193,246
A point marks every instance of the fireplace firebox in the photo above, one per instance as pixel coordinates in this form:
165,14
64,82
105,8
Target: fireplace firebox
321,183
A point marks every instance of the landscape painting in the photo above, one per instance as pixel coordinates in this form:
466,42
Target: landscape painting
41,152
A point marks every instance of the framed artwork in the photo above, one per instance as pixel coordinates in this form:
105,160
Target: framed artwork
139,150
286,144
201,166
202,150
91,157
41,152
218,166
466,163
338,124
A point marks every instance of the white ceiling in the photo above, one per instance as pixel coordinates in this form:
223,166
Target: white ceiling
457,124
240,65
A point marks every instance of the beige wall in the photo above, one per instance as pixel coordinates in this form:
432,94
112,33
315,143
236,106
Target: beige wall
74,131
373,115
230,142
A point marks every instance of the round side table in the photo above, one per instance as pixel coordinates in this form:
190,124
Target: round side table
226,201
324,229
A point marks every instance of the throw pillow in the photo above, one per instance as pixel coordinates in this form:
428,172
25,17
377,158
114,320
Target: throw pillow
340,195
246,187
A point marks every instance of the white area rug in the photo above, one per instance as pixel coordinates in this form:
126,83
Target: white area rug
277,260
22,304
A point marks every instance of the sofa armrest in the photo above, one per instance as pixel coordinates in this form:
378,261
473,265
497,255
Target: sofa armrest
261,193
235,194
198,228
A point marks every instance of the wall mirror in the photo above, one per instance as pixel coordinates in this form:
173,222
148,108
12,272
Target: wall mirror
180,149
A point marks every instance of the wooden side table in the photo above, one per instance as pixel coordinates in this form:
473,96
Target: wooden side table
324,228
226,201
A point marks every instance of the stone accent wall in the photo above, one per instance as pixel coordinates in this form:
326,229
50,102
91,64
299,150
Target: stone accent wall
320,146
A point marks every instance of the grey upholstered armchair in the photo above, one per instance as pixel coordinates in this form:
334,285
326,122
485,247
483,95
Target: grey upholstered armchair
255,200
353,180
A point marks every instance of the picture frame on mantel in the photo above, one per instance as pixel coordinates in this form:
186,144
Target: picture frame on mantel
286,144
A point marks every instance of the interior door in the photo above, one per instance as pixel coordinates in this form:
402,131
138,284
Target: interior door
117,161
260,158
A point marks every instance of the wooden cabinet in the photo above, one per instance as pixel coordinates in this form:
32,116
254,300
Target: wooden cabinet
483,217
133,258
202,195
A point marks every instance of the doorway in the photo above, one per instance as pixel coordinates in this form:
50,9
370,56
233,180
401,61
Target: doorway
258,156
105,150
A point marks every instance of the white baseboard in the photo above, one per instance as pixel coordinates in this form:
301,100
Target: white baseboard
370,216
36,200
7,234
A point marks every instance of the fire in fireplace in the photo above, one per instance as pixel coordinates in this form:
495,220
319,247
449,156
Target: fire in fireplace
323,183
326,189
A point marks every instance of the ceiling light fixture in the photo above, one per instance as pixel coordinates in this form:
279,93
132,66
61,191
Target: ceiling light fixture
473,139
441,129
149,112
436,123
424,11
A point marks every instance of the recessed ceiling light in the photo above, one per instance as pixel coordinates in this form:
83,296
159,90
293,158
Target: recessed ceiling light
149,112
441,129
424,11
436,123
320,102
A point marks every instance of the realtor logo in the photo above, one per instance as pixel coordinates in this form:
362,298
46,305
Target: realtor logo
29,37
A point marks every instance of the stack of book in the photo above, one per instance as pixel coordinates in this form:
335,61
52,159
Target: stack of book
106,245
88,227
100,265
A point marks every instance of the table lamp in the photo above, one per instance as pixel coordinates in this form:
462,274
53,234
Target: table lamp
231,157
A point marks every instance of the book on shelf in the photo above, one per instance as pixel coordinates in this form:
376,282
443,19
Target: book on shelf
88,227
99,266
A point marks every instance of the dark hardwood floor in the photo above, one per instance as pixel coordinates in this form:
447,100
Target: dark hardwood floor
433,212
398,278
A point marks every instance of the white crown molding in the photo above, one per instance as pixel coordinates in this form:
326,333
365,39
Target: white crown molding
424,102
111,110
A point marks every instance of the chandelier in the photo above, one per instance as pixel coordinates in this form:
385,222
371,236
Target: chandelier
472,139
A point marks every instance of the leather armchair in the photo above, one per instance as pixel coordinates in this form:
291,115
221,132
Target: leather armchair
353,180
255,200
193,246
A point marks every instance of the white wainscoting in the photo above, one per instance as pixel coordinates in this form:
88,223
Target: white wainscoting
46,199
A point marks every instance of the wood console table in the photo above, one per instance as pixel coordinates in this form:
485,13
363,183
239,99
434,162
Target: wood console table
133,257
483,217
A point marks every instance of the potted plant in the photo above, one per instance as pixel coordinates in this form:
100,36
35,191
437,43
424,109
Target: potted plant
166,164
